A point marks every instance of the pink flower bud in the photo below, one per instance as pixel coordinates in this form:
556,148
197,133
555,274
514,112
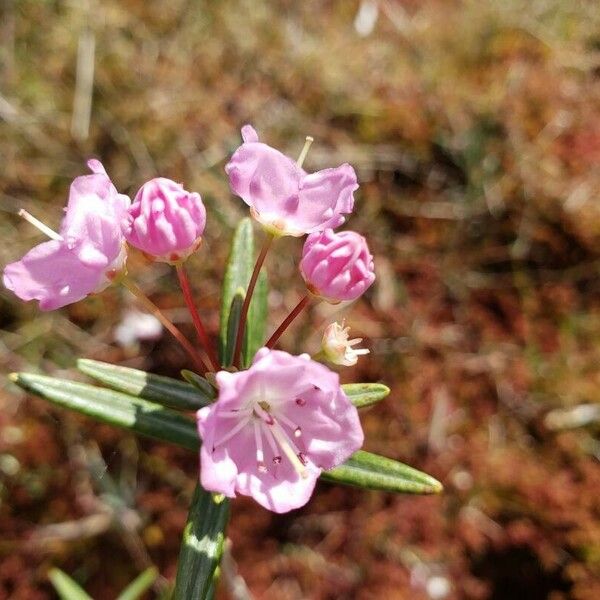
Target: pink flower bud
337,266
165,221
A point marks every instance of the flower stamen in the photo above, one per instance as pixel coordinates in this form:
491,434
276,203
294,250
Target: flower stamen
289,449
260,455
304,151
295,428
39,225
232,432
285,443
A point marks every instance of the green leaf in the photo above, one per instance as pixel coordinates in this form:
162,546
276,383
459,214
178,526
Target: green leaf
367,470
190,396
115,408
256,327
199,382
66,587
362,469
202,546
170,392
139,585
365,394
237,276
235,314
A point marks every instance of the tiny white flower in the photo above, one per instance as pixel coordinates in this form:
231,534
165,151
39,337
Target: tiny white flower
338,349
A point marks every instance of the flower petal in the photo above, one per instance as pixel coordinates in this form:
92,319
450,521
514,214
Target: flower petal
51,274
327,190
266,180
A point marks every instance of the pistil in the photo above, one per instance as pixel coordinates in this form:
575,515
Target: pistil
304,151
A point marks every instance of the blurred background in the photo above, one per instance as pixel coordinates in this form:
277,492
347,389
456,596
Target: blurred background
474,127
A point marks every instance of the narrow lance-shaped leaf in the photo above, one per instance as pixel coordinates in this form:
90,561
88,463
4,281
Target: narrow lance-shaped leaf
367,470
237,275
199,382
256,327
363,469
179,394
365,394
235,314
156,388
114,408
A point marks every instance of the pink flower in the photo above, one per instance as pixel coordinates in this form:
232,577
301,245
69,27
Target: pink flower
337,266
87,254
165,221
283,197
274,428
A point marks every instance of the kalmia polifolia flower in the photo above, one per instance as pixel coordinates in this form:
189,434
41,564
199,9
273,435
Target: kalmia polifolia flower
283,197
274,428
85,256
338,349
165,221
337,266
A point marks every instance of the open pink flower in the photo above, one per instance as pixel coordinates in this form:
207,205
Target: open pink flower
282,196
274,428
86,255
165,221
337,266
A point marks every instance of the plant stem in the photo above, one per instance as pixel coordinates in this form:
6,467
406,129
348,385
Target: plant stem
247,299
186,288
152,308
288,320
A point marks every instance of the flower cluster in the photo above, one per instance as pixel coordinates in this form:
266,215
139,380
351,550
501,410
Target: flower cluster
276,425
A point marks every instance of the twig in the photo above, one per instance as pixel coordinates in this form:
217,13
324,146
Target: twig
288,321
186,288
175,332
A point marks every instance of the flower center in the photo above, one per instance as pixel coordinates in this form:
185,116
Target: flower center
270,426
269,423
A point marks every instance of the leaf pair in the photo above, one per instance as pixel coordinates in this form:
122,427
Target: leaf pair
139,414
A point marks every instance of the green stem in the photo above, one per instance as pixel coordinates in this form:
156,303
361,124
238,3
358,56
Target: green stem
202,546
